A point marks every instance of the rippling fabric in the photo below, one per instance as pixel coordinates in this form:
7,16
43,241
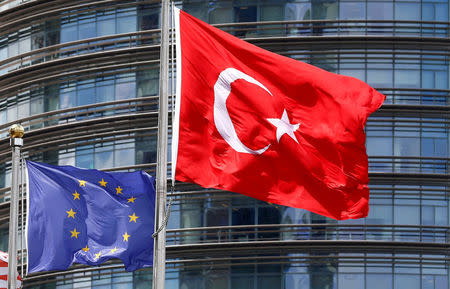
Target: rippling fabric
268,126
88,217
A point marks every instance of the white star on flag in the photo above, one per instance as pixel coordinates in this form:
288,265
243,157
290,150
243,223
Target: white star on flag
284,126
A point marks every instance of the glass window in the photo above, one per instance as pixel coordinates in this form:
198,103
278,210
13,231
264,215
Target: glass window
379,77
86,30
404,146
37,40
12,113
406,215
324,9
105,93
427,215
269,282
352,10
434,147
379,146
126,24
407,11
23,109
407,78
69,33
122,280
441,216
380,11
125,90
441,12
84,158
406,281
13,49
441,81
378,281
351,281
220,15
217,216
428,79
242,282
53,38
380,215
67,99
25,45
434,12
86,96
148,82
3,53
356,73
124,157
298,11
272,13
106,27
149,20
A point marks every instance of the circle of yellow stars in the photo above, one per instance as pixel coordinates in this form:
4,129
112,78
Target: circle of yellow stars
71,214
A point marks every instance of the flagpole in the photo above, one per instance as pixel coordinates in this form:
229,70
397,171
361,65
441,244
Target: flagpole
159,257
16,142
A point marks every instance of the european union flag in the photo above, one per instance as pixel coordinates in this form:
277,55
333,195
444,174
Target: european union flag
88,217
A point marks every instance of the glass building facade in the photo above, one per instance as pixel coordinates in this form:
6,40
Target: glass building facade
82,78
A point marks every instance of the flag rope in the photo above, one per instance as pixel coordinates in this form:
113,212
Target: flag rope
166,215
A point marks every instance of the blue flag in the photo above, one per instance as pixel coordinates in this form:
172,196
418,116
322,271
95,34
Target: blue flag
88,217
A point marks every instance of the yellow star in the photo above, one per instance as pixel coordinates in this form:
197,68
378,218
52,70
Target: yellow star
125,236
74,233
71,214
113,250
76,195
131,200
118,190
97,255
82,183
133,218
85,249
103,183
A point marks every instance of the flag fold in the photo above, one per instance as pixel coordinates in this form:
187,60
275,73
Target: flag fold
88,217
267,126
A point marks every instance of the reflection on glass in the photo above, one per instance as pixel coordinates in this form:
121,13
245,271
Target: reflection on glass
406,215
435,11
126,24
220,15
407,281
352,10
407,11
379,11
69,32
106,27
86,30
67,99
323,9
407,78
86,96
377,281
379,78
125,90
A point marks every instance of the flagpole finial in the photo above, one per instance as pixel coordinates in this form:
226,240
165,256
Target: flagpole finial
16,131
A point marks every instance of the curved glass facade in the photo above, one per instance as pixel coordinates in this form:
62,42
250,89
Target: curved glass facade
82,77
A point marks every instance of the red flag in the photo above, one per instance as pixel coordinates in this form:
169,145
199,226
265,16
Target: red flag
267,126
4,272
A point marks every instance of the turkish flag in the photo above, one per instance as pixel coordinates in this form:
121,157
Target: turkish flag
267,126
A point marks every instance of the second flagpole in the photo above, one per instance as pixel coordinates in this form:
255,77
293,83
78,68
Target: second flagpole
159,261
16,134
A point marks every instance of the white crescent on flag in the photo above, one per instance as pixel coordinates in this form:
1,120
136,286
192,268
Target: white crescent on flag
222,120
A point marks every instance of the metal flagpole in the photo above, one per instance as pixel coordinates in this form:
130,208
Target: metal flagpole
159,255
16,141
